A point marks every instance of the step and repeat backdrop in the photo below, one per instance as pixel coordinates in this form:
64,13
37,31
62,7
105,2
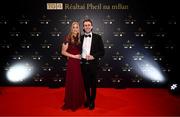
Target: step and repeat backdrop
140,41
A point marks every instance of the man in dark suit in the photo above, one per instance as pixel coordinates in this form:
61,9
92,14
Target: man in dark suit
92,50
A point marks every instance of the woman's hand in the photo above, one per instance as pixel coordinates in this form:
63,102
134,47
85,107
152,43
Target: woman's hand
77,56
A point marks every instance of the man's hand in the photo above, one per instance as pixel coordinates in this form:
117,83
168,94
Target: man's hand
89,57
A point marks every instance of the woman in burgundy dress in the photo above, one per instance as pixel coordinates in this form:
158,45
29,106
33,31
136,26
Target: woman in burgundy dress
74,85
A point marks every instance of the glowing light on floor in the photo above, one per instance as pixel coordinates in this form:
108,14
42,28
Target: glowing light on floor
150,71
19,72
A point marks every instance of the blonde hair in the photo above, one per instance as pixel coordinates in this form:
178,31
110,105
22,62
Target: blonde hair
74,39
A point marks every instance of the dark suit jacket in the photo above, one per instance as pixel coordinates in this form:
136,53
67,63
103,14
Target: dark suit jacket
97,46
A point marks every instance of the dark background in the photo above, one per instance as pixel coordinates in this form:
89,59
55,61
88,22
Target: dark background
156,20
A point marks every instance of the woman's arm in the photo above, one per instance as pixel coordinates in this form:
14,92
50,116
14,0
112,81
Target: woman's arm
67,54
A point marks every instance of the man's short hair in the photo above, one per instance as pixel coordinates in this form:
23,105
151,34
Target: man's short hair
87,20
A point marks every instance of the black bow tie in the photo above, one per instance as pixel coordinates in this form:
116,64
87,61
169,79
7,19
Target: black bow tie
87,35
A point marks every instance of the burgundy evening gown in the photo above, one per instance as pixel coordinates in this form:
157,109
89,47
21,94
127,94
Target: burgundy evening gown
74,84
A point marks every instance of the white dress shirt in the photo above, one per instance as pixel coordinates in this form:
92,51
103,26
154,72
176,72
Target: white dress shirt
86,48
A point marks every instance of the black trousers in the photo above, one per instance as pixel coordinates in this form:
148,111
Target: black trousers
89,72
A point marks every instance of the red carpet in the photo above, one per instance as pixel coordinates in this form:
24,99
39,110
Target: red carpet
44,101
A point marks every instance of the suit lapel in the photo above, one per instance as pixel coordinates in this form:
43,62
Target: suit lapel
82,39
92,42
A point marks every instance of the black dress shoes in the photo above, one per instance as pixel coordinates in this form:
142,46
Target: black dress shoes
91,105
86,104
64,107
